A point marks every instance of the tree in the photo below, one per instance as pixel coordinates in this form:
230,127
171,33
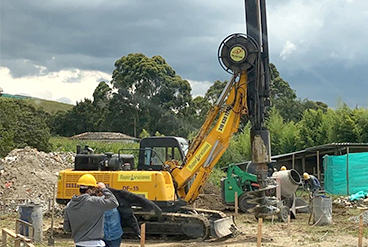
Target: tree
214,92
284,98
239,149
360,117
150,90
344,128
102,95
81,118
312,131
22,125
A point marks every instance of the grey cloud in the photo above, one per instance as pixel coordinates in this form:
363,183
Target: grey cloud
92,35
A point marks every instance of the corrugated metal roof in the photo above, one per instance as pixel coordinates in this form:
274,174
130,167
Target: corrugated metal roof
287,154
103,136
333,145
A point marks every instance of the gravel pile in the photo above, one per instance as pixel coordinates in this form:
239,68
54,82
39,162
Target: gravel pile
356,218
27,175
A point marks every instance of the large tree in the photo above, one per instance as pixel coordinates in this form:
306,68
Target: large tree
150,96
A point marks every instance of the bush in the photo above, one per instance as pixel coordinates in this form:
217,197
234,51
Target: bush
22,125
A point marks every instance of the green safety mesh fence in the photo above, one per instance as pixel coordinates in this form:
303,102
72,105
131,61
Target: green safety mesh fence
346,174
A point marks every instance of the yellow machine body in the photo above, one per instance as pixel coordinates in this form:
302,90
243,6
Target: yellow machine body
153,185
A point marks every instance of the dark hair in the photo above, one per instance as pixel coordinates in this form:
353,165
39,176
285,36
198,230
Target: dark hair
83,189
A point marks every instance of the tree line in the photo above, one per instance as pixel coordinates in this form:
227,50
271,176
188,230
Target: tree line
146,96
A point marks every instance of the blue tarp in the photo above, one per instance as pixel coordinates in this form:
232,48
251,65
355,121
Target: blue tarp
340,182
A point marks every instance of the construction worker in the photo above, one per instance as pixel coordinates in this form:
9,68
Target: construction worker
311,183
283,168
83,215
113,231
126,200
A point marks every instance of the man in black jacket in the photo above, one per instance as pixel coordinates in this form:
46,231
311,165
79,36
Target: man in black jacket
126,200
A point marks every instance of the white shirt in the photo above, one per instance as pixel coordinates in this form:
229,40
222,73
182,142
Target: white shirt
91,243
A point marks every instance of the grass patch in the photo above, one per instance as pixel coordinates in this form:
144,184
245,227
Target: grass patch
64,144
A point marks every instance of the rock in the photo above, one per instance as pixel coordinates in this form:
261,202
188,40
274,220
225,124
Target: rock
29,174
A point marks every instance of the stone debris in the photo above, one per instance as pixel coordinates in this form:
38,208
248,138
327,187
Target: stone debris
347,203
356,218
27,175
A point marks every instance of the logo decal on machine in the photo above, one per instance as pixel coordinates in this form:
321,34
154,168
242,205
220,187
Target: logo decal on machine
224,120
134,177
198,156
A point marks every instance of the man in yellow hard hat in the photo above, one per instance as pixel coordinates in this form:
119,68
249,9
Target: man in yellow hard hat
83,215
283,168
311,183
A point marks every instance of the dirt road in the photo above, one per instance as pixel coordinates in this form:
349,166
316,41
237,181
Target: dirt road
341,232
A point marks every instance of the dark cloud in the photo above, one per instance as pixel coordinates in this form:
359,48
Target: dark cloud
92,35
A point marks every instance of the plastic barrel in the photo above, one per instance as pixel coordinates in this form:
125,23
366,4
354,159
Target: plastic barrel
322,210
32,213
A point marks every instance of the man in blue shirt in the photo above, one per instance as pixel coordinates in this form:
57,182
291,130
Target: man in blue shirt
312,183
113,231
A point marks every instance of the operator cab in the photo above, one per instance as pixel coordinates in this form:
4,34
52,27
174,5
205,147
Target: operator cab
154,151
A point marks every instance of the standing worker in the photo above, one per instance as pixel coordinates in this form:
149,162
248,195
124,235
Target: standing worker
311,183
113,231
83,215
283,168
126,199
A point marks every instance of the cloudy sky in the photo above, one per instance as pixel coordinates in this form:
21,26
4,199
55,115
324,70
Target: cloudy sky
60,50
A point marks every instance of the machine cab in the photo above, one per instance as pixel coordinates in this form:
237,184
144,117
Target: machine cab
154,151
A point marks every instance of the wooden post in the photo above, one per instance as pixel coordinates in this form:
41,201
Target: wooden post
318,170
347,171
236,203
143,234
49,205
17,226
51,241
4,240
288,226
360,236
259,234
293,162
17,242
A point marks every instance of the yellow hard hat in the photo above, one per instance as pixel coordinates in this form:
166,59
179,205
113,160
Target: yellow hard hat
283,168
87,180
306,176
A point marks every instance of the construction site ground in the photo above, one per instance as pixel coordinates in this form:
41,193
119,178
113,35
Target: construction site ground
27,175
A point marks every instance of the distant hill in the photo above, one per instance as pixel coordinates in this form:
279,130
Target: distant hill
47,105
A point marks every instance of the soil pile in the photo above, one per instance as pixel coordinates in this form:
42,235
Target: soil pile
210,198
28,175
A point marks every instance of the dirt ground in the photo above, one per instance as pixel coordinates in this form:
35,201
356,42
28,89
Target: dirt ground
27,175
341,232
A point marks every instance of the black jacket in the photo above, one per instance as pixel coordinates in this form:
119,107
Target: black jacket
126,200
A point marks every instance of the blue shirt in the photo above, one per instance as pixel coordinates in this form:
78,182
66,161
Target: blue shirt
112,225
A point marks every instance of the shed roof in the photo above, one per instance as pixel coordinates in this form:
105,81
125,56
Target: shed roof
326,148
103,136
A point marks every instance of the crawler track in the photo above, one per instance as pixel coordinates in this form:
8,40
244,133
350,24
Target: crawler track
187,223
